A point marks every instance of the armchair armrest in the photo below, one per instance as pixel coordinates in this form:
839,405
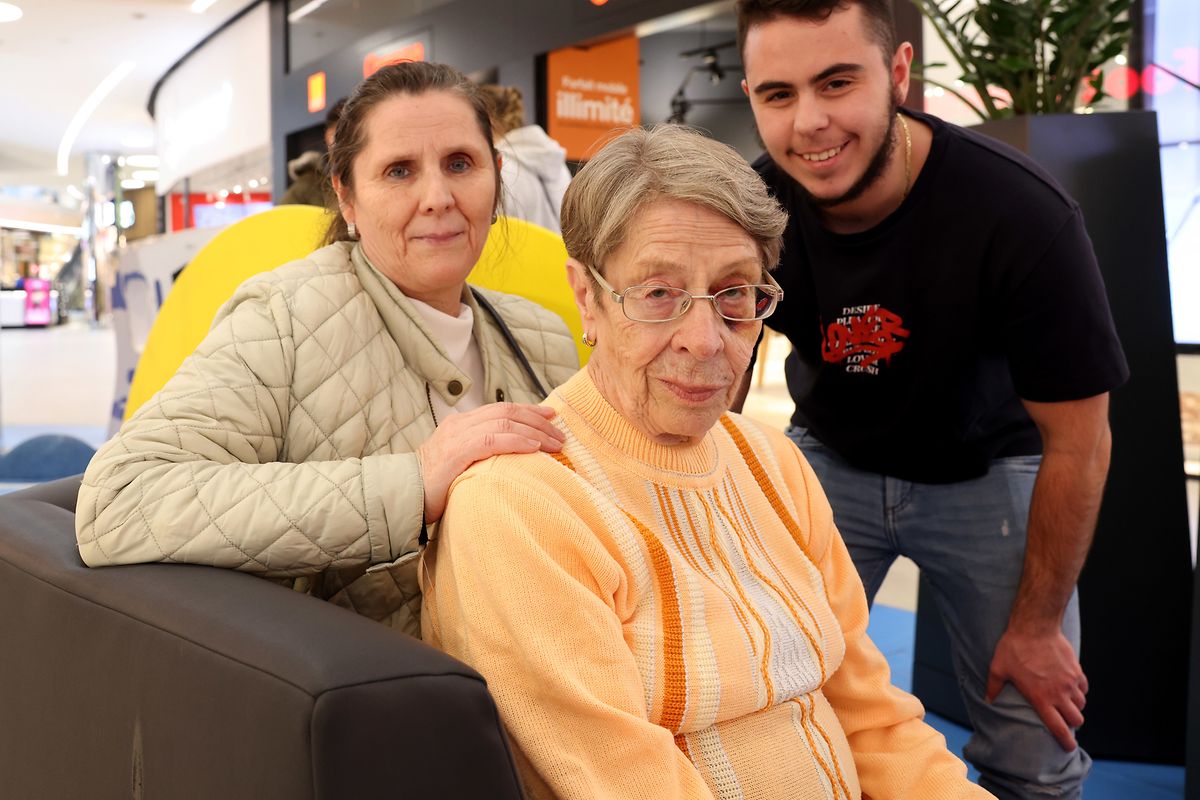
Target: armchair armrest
183,681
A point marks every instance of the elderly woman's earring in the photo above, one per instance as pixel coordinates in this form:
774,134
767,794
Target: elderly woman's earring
495,217
352,229
588,341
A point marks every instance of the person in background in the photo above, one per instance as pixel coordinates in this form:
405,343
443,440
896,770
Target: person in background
331,121
664,609
533,166
308,171
952,355
309,183
314,433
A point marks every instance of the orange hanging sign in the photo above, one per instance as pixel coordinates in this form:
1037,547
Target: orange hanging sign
393,54
591,92
316,92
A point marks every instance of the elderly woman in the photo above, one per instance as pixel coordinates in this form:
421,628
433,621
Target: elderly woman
664,609
315,431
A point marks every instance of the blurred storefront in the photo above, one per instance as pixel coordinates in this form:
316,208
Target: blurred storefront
213,126
321,50
38,243
584,67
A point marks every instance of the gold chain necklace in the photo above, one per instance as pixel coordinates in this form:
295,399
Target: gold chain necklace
907,156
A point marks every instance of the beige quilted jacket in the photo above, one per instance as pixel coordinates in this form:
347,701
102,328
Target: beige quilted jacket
285,444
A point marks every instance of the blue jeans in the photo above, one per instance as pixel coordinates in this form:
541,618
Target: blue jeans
968,539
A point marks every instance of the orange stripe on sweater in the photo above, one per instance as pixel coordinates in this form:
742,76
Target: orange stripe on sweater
561,458
812,748
764,667
667,509
718,584
832,753
686,548
740,533
764,483
681,743
746,530
721,585
674,666
712,568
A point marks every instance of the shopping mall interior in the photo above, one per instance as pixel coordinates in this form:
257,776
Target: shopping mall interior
145,152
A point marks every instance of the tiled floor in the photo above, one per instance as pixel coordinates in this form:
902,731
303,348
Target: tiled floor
60,380
56,380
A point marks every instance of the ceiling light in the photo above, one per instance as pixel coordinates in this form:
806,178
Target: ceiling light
253,183
223,194
130,183
85,111
147,175
237,189
306,9
263,180
690,16
10,12
142,162
200,6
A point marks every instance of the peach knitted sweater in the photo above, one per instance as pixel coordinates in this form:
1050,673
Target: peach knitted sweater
658,622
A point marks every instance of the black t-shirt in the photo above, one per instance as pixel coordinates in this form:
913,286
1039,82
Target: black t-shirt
914,341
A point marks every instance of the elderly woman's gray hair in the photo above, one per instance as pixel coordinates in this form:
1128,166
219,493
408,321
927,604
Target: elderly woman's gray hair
667,161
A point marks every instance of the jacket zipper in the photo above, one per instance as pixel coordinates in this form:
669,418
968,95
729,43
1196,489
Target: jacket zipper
429,399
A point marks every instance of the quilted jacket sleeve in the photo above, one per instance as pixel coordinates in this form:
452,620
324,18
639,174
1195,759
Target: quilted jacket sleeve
194,476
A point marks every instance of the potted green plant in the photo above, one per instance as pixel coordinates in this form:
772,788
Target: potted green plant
1037,53
1028,61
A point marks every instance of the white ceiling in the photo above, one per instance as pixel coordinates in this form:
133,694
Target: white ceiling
58,52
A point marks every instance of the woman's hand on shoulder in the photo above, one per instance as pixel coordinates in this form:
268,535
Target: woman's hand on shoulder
491,430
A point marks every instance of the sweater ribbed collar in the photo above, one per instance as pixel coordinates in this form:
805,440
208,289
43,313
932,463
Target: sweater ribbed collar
605,426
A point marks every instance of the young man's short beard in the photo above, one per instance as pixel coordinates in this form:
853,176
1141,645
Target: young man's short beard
874,170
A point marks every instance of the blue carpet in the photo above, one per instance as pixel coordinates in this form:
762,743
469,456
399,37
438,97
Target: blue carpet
893,631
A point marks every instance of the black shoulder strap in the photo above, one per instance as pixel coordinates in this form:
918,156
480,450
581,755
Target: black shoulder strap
512,342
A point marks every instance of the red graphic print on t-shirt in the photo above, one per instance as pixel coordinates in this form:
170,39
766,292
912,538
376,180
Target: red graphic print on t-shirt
862,337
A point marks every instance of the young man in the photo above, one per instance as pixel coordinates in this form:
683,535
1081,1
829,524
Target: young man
952,357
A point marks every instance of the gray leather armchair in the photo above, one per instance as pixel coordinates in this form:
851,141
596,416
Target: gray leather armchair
171,681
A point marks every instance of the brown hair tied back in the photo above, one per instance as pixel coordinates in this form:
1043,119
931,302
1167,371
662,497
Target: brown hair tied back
406,78
508,107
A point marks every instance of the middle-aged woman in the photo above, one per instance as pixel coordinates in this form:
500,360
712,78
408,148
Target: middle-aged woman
315,431
672,613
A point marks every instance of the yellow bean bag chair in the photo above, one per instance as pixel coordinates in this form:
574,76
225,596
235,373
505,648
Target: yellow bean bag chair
519,258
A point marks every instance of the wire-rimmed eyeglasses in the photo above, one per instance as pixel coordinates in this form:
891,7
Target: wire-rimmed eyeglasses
654,303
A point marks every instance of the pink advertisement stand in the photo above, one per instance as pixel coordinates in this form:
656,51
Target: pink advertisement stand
37,301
